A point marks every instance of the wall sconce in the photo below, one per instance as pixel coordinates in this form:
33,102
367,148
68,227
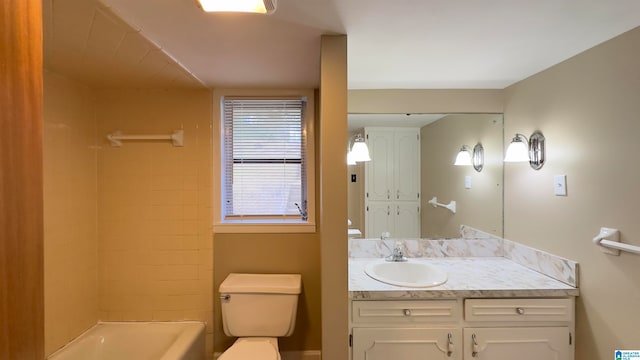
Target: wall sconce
522,149
478,157
466,158
358,152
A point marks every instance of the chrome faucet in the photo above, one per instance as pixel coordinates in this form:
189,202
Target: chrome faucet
397,254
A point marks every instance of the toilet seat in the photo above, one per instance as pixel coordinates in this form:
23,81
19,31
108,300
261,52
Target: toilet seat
252,348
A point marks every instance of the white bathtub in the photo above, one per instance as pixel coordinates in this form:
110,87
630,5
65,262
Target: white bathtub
137,341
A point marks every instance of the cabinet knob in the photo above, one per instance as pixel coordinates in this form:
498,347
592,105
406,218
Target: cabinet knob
407,312
520,311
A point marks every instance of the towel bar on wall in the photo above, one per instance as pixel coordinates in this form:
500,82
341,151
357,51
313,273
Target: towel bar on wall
609,240
451,205
116,138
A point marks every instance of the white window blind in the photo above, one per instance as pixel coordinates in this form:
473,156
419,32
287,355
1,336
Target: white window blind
264,158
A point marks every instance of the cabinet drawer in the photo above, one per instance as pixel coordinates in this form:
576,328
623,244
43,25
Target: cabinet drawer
518,310
403,312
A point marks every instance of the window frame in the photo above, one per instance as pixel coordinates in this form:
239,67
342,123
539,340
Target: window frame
262,224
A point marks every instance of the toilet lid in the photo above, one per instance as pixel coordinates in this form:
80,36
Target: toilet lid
251,349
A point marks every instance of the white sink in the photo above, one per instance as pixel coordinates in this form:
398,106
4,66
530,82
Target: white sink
407,274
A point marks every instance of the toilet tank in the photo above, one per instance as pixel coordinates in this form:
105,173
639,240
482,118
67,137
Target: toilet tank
263,305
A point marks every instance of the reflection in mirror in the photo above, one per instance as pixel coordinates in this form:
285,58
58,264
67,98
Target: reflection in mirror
380,201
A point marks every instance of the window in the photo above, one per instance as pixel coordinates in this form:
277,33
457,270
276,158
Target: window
265,161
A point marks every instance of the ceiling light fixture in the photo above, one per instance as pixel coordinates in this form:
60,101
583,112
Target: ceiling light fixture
249,6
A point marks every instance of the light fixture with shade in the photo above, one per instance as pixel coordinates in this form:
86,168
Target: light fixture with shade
350,159
359,152
466,157
247,6
522,149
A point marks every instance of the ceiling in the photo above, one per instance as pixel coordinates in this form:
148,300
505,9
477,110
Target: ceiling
400,44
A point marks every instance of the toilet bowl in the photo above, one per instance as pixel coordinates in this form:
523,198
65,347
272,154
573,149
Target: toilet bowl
258,309
252,348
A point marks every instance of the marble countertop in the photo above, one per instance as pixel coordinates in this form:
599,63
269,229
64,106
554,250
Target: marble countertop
478,277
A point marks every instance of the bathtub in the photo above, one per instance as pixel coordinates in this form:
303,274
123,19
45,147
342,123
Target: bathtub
137,341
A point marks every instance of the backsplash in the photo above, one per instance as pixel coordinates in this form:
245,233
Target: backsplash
562,269
472,243
377,248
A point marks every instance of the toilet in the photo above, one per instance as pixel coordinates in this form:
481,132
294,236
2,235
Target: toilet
258,309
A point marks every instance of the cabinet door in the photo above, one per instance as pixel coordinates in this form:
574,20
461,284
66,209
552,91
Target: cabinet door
379,171
407,165
550,343
407,220
379,219
406,344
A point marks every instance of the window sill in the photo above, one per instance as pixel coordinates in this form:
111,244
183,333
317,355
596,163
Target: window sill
257,226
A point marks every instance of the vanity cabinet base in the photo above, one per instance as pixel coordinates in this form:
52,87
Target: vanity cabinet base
406,344
490,329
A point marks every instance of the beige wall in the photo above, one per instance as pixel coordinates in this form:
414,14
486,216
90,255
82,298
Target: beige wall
588,108
154,205
480,206
273,253
333,197
393,101
70,195
269,252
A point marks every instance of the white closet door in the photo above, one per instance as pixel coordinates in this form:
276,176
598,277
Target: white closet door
379,219
407,165
407,219
379,171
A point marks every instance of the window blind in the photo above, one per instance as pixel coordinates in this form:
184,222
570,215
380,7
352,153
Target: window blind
264,158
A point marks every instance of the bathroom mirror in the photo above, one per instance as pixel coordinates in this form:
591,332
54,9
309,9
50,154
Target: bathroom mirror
478,195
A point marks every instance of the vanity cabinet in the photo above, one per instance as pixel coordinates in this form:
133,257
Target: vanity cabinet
527,343
491,329
392,182
406,344
405,330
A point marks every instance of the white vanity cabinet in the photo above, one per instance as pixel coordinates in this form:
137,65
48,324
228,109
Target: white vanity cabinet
491,329
405,330
406,344
392,182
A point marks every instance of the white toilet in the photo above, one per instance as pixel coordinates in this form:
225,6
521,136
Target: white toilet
258,308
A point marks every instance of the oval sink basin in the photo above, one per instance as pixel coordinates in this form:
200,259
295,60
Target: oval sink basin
407,274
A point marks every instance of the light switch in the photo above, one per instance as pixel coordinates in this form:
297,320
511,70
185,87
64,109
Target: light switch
467,182
560,185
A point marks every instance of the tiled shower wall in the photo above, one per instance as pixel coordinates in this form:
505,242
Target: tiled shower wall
154,206
70,214
127,230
